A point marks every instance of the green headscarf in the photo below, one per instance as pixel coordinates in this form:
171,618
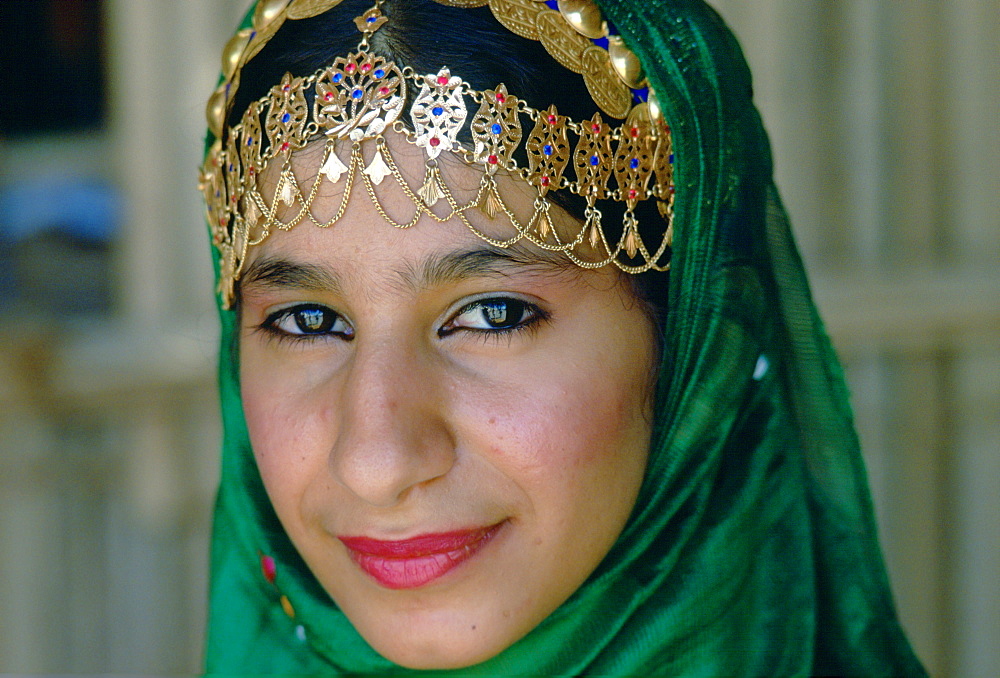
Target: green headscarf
752,549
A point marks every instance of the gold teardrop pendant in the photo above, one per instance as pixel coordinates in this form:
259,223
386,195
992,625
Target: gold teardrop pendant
377,170
490,204
431,191
631,242
544,225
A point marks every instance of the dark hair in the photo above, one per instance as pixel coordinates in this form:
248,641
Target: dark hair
426,36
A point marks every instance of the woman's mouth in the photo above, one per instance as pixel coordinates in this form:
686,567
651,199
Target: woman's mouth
417,561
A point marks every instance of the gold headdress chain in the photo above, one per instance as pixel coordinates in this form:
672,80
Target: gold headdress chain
361,95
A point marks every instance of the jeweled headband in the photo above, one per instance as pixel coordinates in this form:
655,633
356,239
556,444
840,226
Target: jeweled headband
362,94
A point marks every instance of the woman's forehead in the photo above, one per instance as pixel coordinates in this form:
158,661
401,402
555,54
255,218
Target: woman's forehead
431,250
321,260
293,264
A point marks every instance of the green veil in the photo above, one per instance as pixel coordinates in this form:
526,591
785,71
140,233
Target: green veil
752,548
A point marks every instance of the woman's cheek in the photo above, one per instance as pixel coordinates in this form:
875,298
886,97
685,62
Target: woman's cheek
555,434
283,434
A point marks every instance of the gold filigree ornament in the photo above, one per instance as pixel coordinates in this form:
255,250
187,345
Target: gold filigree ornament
348,106
496,133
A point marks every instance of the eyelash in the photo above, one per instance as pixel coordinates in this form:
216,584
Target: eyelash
329,321
530,316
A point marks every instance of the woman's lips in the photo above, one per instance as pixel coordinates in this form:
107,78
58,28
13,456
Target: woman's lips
409,563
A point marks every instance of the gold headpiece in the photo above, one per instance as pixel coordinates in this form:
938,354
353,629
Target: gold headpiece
362,94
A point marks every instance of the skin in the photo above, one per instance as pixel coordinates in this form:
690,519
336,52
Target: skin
411,414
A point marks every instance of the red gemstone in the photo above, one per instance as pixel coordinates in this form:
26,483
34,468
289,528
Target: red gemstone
285,88
545,181
442,79
501,98
267,568
492,159
284,146
435,141
635,131
383,90
350,68
365,68
596,128
551,119
328,96
632,193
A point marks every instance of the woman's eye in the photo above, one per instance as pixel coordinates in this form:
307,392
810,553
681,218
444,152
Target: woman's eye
308,321
494,315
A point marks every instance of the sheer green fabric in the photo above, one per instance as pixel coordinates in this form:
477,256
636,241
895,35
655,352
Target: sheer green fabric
752,547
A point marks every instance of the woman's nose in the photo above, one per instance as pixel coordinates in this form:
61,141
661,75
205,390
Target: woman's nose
392,428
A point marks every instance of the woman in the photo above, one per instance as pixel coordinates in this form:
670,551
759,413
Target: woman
472,422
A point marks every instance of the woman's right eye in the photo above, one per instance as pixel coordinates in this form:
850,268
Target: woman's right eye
308,321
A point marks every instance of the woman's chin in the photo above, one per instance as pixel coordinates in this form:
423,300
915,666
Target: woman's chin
438,649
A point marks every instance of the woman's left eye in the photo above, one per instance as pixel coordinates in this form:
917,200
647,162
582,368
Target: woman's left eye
497,315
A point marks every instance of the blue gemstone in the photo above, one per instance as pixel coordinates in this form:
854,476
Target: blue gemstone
634,163
437,110
547,149
337,77
553,4
372,19
358,93
286,117
671,158
249,141
594,160
601,42
496,128
379,72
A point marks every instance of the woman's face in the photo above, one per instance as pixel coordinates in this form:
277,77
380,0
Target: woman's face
452,435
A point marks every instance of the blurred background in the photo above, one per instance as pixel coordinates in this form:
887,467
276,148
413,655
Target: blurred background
885,120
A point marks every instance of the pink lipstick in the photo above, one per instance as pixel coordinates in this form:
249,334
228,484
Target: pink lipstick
414,562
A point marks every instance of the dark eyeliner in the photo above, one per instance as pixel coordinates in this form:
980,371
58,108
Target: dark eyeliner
536,315
270,325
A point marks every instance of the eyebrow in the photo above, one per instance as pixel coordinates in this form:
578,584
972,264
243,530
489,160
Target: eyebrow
281,273
485,261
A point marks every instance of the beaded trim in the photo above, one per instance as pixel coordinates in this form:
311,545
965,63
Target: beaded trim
362,94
